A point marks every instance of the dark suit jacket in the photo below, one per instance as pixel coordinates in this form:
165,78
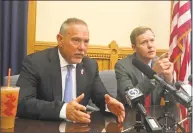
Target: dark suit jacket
41,86
128,76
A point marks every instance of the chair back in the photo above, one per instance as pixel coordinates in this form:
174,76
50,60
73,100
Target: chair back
109,80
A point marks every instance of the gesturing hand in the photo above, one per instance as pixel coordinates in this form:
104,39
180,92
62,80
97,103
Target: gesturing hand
115,107
74,111
163,66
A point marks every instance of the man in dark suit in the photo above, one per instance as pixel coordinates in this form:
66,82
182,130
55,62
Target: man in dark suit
45,77
128,76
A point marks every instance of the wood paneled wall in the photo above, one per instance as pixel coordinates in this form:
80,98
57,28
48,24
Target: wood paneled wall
106,56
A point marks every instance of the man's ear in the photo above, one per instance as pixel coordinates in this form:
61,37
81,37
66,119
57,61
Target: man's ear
133,46
59,39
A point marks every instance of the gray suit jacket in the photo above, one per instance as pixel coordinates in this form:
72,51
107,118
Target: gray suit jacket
128,76
40,83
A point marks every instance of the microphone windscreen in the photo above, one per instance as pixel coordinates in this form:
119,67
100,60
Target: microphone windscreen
145,69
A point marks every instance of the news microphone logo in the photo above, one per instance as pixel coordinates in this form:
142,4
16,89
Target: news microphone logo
133,96
133,92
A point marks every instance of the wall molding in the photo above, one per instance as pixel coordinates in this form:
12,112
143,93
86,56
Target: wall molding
106,55
103,49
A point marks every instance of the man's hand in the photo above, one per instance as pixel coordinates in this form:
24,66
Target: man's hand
115,107
163,66
168,73
74,111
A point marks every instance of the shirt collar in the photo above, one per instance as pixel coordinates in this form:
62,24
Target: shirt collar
149,64
63,62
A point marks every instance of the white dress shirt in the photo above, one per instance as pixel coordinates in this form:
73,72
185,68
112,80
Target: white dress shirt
63,66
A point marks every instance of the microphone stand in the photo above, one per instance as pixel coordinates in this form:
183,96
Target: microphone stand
166,115
138,125
189,117
147,125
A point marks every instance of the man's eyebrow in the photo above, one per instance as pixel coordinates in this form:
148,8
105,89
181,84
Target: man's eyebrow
144,40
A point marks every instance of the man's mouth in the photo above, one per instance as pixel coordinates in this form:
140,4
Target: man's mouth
79,55
151,52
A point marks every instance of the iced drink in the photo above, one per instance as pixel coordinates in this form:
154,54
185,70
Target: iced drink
9,101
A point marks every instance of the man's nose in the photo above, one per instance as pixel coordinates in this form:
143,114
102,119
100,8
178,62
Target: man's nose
150,44
82,46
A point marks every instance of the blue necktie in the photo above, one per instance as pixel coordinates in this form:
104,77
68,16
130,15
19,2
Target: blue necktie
68,84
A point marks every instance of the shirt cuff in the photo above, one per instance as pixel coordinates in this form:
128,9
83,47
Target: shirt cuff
63,112
106,108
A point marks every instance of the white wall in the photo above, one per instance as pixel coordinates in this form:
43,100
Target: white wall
107,20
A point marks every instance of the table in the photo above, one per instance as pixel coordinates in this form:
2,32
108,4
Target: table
99,122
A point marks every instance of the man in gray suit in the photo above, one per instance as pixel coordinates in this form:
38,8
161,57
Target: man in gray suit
144,46
57,83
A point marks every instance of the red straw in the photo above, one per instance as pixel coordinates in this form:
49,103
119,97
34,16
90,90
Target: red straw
9,75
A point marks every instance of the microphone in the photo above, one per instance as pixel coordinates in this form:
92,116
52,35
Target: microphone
133,97
181,97
185,88
146,70
178,85
190,79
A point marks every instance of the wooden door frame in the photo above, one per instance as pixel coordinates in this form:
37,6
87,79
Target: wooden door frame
31,26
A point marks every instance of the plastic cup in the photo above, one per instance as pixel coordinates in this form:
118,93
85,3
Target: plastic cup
9,101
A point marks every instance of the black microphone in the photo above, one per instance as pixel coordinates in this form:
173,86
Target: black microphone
146,70
182,98
190,78
186,88
133,97
178,85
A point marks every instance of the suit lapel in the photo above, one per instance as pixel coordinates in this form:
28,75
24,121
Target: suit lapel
55,74
80,78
